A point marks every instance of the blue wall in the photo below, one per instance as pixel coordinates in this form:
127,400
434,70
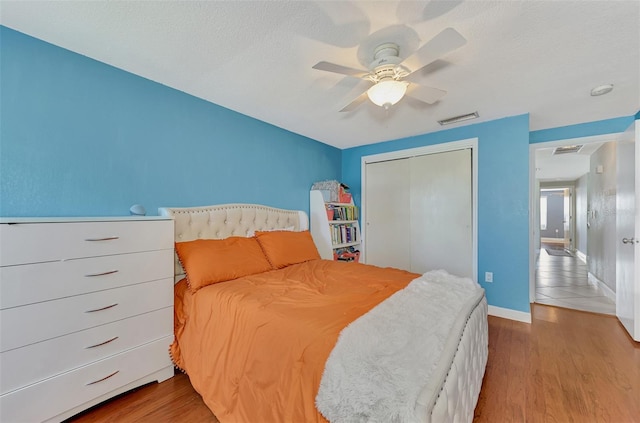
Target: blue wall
81,138
503,200
588,129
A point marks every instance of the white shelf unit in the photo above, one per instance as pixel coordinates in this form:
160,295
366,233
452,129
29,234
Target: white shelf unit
321,226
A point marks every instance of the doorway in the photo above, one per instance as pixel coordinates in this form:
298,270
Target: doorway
557,204
567,247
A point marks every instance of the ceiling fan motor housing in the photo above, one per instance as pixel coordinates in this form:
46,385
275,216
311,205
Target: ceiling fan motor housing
386,63
385,54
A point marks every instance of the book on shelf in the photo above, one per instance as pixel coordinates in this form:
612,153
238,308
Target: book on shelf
342,212
344,233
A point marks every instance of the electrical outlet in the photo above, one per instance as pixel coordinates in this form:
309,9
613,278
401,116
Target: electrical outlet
488,276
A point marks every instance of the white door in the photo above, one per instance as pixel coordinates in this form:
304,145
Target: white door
441,213
388,230
628,232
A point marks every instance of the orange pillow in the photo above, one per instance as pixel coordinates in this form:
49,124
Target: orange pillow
284,248
209,261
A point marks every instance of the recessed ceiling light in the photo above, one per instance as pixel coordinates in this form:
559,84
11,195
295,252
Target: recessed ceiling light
601,90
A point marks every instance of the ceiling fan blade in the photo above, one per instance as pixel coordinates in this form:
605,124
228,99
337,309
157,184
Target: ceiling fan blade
418,75
343,70
355,103
443,43
425,94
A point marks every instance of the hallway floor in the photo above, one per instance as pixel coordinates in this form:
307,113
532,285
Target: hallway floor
562,281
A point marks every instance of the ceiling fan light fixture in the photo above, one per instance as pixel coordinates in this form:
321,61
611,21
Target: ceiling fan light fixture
387,93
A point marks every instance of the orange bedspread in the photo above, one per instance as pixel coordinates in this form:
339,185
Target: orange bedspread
255,347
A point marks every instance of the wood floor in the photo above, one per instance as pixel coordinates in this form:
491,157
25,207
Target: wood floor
567,366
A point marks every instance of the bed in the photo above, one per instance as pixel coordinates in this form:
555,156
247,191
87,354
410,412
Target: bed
297,338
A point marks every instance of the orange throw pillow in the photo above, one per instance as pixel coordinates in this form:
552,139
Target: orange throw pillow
284,248
209,261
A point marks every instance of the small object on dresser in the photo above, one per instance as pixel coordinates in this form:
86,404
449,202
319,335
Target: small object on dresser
137,210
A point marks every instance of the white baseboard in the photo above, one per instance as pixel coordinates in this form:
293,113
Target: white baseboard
582,256
608,292
507,313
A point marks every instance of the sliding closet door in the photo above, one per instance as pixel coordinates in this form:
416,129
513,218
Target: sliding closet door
386,205
441,212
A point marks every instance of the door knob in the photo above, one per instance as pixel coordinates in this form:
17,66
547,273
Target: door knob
629,240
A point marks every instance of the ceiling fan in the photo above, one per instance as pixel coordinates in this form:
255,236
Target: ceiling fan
391,75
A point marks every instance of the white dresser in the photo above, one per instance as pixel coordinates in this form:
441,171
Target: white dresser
86,312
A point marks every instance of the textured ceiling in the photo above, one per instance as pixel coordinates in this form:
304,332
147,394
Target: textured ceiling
537,57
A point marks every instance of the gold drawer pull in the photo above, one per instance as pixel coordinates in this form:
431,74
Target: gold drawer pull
102,343
109,238
104,378
103,308
110,272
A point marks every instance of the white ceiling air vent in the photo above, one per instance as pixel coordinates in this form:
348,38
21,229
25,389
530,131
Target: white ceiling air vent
457,119
567,149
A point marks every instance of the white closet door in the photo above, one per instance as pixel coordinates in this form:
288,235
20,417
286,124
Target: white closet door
387,214
441,213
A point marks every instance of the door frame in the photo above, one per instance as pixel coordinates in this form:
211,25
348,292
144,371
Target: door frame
471,143
534,197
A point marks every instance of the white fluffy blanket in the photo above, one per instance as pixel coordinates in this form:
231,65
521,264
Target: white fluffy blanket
384,359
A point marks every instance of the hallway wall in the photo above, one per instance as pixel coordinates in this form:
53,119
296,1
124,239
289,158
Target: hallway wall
582,188
601,202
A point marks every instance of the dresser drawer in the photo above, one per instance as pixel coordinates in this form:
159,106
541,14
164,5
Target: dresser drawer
23,243
33,323
32,283
27,365
54,396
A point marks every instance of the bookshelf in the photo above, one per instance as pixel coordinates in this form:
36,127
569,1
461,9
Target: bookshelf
339,232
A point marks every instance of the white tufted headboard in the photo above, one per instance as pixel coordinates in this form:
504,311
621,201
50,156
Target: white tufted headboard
225,220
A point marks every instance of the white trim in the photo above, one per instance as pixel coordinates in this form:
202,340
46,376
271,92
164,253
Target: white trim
421,151
582,256
471,143
533,210
9,220
608,292
507,313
